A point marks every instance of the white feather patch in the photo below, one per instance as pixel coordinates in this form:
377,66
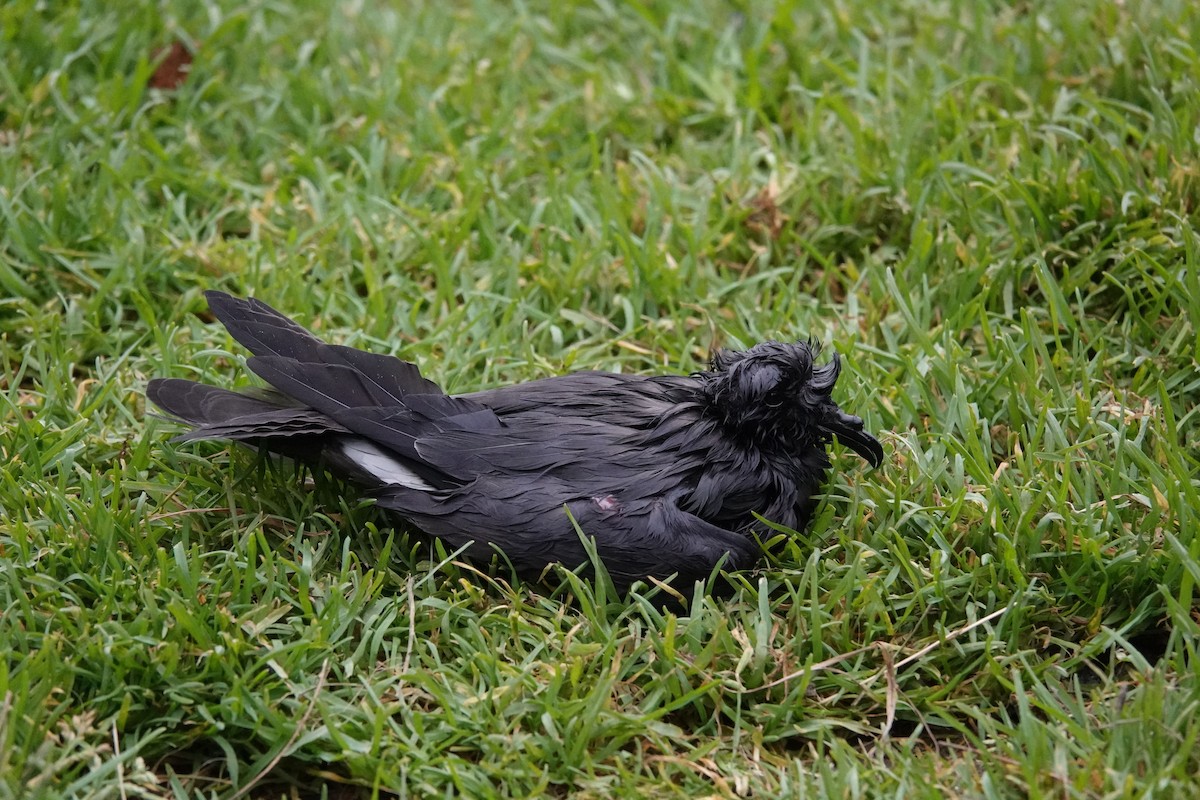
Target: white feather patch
381,464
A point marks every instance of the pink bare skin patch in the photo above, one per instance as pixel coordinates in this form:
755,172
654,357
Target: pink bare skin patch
606,503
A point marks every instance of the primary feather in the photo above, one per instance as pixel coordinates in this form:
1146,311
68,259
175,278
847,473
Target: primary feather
666,472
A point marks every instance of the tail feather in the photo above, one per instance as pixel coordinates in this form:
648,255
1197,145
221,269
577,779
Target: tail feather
326,387
284,423
395,376
345,395
265,332
261,329
199,404
221,414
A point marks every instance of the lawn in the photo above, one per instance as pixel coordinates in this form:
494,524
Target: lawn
988,209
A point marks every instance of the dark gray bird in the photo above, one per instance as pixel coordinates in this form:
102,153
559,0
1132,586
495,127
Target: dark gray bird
664,472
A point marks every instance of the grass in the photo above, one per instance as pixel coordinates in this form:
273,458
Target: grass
990,210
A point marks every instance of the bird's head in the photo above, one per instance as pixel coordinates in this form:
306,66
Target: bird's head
775,394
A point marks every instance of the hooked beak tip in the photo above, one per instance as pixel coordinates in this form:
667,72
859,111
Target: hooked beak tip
849,431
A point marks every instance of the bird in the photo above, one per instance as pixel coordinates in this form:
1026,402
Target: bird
671,476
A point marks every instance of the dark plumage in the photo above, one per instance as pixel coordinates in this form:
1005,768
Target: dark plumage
665,471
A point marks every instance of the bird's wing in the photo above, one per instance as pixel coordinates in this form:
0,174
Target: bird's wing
593,455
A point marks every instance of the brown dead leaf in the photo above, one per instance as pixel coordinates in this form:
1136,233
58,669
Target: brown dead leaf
174,64
765,215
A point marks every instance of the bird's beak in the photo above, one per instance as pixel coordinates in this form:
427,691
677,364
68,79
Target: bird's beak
849,431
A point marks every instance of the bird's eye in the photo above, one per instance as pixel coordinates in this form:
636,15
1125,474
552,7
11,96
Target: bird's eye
774,399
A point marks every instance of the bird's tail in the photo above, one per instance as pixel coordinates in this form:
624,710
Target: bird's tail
358,411
270,335
212,413
312,381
